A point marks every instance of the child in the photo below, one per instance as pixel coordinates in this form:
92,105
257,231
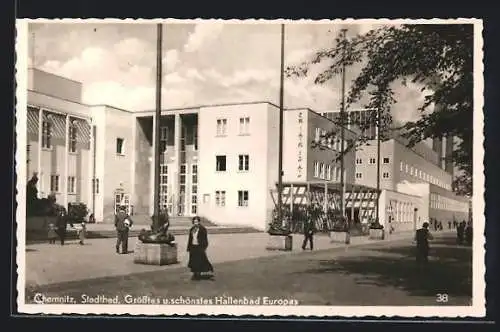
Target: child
52,234
81,233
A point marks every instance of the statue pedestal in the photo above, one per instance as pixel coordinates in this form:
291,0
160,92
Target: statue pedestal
155,253
280,242
339,237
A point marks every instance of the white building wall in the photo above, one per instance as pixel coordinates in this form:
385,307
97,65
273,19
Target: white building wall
99,120
255,181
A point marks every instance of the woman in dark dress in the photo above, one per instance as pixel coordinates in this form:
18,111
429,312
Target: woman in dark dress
197,246
62,223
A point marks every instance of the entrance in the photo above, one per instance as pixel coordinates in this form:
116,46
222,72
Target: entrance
121,198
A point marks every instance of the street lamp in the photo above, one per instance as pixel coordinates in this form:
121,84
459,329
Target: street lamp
156,208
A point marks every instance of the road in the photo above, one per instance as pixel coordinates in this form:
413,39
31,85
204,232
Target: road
382,273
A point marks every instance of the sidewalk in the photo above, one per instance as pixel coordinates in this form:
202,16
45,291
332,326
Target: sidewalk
47,264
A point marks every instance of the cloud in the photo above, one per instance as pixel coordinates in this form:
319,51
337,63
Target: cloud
203,34
170,60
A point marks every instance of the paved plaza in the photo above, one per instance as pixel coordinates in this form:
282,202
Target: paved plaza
363,273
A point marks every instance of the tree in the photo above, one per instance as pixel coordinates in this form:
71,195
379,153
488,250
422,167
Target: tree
439,57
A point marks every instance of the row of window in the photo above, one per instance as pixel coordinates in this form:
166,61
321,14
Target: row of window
244,126
220,198
444,203
47,132
54,184
415,172
332,142
372,161
385,175
243,163
326,171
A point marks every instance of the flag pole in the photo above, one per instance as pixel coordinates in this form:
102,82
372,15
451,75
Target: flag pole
280,149
342,131
159,29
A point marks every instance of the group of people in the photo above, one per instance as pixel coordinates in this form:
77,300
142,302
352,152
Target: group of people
60,228
464,233
197,245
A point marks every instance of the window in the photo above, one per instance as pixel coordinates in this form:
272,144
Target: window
385,175
358,175
359,161
220,198
221,127
120,146
386,160
95,186
71,184
372,160
242,198
244,126
316,169
329,172
54,183
411,170
401,166
243,162
317,135
72,137
220,163
163,138
406,166
46,134
322,171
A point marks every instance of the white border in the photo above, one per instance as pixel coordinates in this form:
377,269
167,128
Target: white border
478,306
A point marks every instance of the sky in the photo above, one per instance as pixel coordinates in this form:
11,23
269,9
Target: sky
207,62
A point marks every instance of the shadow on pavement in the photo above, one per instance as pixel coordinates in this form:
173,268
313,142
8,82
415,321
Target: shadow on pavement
449,270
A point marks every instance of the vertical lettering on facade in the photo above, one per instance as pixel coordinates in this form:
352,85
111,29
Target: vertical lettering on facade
300,144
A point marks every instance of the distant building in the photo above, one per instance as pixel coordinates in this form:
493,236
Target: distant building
219,161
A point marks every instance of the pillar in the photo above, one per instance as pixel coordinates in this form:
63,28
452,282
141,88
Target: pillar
39,166
176,164
325,203
65,182
92,162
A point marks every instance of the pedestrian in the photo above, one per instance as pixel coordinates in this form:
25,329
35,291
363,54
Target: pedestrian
309,230
449,224
197,245
422,237
123,222
52,233
461,232
468,234
62,224
82,233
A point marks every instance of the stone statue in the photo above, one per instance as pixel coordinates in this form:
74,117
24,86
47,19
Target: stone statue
160,235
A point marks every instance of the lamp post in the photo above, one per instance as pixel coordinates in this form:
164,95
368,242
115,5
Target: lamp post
377,205
342,131
280,148
156,209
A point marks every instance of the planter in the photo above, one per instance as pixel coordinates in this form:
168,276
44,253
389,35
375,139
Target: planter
376,234
340,237
155,253
280,242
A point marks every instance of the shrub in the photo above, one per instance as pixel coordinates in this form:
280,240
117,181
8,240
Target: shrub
77,212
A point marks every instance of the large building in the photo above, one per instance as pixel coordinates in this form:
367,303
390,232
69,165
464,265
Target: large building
218,161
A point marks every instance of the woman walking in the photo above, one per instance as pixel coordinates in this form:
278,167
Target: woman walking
197,246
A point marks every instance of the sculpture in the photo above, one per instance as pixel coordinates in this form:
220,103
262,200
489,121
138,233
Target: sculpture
160,235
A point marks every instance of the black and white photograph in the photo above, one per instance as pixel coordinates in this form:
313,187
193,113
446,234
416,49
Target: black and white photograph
250,167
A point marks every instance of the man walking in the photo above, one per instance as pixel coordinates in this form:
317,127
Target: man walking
422,238
122,224
308,234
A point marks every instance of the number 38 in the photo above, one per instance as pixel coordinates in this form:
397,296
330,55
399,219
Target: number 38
442,298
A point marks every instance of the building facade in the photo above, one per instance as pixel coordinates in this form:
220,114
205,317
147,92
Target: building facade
219,162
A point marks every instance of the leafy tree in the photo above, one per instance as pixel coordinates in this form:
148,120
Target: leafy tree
437,57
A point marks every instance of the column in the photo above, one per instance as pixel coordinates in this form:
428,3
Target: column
291,198
325,202
90,197
39,167
152,169
66,163
175,170
353,200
